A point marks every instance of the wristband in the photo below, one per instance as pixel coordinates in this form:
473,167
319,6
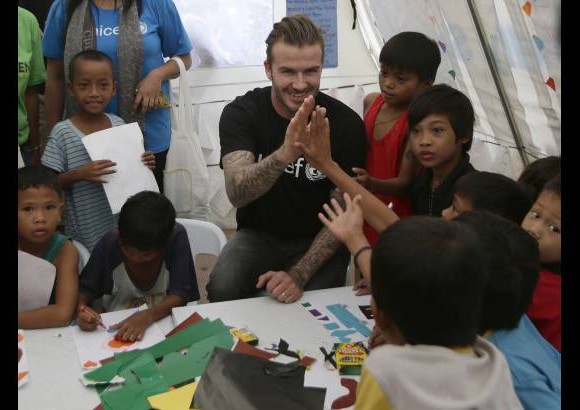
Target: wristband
358,252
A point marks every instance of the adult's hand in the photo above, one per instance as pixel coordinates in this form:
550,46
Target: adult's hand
280,285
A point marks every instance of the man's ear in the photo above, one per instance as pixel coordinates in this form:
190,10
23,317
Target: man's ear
268,69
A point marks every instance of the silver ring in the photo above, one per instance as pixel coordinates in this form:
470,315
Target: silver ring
283,294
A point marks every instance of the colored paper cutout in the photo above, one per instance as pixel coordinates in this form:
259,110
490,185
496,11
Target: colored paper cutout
191,319
366,310
22,359
550,83
331,326
348,319
306,304
176,399
323,318
527,8
315,312
246,348
348,399
539,42
442,45
452,73
118,344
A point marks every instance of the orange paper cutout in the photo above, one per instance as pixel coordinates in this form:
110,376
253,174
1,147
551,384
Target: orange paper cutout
90,363
527,8
20,338
116,344
21,375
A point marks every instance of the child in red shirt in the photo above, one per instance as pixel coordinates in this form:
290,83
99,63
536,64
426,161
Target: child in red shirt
409,62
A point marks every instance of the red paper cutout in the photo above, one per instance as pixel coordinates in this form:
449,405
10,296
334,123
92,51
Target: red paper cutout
117,344
245,348
527,8
348,399
193,318
90,363
550,83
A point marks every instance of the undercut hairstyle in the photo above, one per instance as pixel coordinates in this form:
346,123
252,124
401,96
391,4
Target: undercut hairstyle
89,55
146,221
443,99
488,191
428,277
414,52
296,30
538,173
554,185
36,176
512,260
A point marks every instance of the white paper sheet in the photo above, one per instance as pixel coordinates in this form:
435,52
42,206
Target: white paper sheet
22,360
100,343
35,281
123,145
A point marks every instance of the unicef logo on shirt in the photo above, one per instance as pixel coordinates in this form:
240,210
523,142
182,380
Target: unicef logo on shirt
143,27
313,174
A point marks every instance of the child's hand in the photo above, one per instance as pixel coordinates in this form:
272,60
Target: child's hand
148,158
343,224
362,287
315,144
94,170
133,328
376,338
362,176
88,319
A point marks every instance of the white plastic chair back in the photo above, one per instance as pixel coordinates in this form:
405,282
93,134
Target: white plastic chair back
204,237
84,254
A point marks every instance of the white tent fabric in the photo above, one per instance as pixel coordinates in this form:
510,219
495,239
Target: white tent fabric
517,55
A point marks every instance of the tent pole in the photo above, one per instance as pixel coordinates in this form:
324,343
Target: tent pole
497,81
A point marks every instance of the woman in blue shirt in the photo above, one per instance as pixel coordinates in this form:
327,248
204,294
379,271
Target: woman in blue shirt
139,35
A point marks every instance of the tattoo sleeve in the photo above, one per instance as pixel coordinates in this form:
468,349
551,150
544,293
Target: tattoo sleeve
245,179
323,247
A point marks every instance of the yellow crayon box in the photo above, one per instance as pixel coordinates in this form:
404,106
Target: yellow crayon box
244,335
350,357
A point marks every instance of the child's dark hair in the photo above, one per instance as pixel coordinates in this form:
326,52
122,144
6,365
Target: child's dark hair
412,51
428,276
35,176
146,221
89,55
554,185
443,99
495,193
537,173
512,259
296,30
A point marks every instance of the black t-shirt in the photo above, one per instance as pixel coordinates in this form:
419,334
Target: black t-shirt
427,202
291,206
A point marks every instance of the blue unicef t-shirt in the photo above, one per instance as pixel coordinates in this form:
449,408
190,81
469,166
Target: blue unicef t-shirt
163,36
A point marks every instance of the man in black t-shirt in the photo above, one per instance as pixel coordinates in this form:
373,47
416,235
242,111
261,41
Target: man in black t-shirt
280,244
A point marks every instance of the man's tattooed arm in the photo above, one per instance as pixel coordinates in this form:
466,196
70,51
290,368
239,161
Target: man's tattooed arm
322,249
246,179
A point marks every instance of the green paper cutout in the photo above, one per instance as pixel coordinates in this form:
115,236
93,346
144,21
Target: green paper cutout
129,397
177,367
104,373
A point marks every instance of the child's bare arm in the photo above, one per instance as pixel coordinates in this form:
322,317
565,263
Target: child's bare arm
134,327
148,159
401,183
92,171
66,290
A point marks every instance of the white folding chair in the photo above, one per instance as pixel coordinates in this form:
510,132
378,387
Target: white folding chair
204,238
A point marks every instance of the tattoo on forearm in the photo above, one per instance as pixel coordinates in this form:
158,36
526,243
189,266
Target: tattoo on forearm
247,180
322,249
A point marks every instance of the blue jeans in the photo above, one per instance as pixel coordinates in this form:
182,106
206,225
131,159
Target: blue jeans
250,253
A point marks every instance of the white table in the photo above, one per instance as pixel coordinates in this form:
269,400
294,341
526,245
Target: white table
54,368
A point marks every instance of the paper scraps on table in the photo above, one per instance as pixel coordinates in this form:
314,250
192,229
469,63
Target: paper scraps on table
367,311
348,319
348,399
176,399
22,359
